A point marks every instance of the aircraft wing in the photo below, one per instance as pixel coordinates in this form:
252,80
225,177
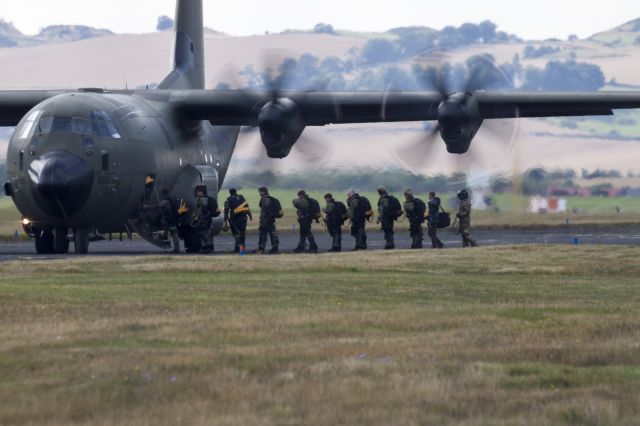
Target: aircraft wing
15,104
322,108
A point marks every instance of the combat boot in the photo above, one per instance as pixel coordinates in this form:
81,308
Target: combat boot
299,250
274,250
258,251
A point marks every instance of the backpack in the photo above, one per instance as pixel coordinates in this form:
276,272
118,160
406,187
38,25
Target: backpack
341,212
365,207
421,209
314,209
395,207
276,208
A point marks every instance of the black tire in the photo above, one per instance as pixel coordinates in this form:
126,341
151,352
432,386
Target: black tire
60,241
44,243
81,240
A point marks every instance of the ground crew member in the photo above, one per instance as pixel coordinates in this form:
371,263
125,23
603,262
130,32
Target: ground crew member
415,209
358,216
306,216
236,214
387,214
335,215
433,220
206,209
464,219
270,210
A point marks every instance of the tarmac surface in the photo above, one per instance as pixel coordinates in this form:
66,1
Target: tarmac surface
621,235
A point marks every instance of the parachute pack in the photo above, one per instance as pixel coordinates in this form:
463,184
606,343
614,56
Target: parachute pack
341,212
395,207
276,208
421,209
366,207
314,209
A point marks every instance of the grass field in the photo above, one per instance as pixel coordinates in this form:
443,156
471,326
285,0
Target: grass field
510,335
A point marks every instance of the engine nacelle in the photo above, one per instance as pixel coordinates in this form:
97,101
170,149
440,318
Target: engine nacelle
459,120
281,125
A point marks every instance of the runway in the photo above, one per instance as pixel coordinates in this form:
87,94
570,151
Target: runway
625,235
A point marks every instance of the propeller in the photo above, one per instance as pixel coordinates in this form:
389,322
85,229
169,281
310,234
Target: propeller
455,83
277,74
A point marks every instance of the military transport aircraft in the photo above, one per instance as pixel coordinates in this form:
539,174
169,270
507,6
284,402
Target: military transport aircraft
79,162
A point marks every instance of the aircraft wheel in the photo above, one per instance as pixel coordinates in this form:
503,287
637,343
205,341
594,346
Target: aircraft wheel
60,241
44,243
81,240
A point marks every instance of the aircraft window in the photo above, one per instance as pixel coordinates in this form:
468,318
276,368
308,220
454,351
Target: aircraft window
29,124
100,115
45,124
61,124
105,129
103,126
82,126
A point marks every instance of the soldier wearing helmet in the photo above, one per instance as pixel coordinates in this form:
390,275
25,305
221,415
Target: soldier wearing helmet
464,219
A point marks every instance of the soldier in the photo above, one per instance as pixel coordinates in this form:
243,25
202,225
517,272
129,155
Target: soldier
433,220
169,207
388,211
270,210
236,213
335,215
308,211
358,212
206,209
415,209
464,219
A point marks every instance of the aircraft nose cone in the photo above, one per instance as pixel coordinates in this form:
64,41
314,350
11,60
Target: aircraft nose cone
61,183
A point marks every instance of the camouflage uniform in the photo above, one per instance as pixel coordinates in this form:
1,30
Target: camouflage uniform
358,218
464,221
416,219
334,223
305,220
386,218
267,225
206,209
433,221
236,214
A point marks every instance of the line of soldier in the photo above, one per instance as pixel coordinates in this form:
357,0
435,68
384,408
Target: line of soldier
357,210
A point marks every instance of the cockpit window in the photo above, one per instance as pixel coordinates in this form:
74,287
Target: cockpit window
81,126
29,124
100,125
53,124
103,125
105,129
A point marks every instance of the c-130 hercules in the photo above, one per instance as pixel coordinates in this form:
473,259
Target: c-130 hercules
79,160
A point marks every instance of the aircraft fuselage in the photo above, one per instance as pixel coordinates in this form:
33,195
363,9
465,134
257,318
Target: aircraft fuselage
81,160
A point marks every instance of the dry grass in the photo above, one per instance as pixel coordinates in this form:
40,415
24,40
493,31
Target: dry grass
494,336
